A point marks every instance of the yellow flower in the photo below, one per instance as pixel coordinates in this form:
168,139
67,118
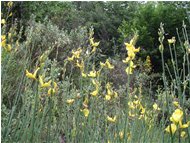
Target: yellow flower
85,103
171,128
131,50
80,65
94,93
94,44
96,84
108,65
129,136
131,105
130,68
142,110
3,21
110,119
70,58
86,112
171,41
131,114
30,75
121,134
155,106
115,94
46,84
107,97
92,74
10,14
177,116
83,74
70,101
126,60
3,37
183,134
77,53
55,85
136,102
183,125
51,91
108,86
102,64
8,47
3,41
10,4
93,50
176,104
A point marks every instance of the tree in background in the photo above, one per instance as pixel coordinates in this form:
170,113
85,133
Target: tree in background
113,22
147,20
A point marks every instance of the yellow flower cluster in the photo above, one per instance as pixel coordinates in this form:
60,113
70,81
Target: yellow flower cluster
53,90
136,109
112,119
96,84
70,101
107,64
4,44
43,84
6,40
86,112
172,40
177,124
32,75
110,93
92,73
81,67
94,45
121,135
155,107
131,53
75,54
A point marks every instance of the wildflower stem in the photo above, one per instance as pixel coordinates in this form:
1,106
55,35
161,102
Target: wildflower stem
34,112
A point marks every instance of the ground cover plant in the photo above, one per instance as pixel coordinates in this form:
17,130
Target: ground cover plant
65,79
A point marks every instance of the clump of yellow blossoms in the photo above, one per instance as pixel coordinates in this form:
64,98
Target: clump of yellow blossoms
6,46
32,75
53,90
172,40
81,67
75,54
111,119
96,84
110,93
46,84
70,101
136,109
86,112
177,124
155,107
43,84
131,53
93,44
107,64
6,41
